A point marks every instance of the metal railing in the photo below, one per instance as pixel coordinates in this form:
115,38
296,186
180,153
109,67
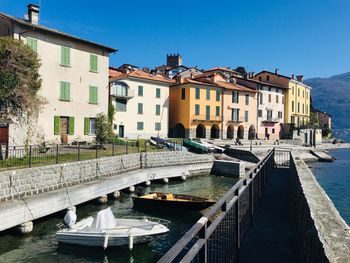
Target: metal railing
216,236
14,157
206,118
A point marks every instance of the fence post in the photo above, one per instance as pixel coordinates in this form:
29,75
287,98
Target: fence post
238,234
30,156
145,146
78,151
203,252
57,149
113,148
138,145
126,146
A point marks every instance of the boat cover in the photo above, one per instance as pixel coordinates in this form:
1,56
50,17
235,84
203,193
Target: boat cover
103,220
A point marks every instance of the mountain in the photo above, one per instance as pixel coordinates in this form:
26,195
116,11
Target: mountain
332,95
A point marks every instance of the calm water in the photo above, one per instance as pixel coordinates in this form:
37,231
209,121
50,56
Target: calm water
41,245
335,180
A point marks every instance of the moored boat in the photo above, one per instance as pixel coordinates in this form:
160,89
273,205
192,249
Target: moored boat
172,201
104,230
195,146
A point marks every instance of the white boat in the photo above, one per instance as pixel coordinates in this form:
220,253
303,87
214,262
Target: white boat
212,147
105,230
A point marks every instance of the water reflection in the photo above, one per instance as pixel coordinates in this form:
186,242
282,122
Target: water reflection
42,246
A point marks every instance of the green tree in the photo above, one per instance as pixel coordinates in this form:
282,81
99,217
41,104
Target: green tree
111,112
103,129
241,70
19,79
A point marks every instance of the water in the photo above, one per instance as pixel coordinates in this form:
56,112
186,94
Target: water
335,180
41,245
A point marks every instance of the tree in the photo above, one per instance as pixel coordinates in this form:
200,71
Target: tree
19,79
103,129
111,112
241,70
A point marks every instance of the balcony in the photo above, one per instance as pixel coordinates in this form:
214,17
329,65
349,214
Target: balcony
123,95
207,118
236,120
272,120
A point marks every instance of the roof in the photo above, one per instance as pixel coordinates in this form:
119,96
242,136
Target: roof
262,83
115,74
222,69
323,112
53,31
273,73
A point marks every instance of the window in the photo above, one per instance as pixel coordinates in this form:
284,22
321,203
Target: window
280,114
303,108
93,63
65,56
139,108
298,107
196,109
277,100
218,95
298,92
261,96
63,125
303,94
208,94
32,43
183,93
65,91
246,99
157,126
307,95
140,91
93,95
158,93
292,106
157,110
235,96
292,90
273,130
269,115
246,114
89,126
198,93
207,112
120,89
267,78
282,99
259,113
269,97
139,126
217,111
260,79
120,105
292,119
235,115
307,109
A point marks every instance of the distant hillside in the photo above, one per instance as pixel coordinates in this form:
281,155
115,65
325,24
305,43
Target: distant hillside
332,95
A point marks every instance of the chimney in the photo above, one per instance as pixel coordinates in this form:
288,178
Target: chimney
300,78
276,71
292,76
33,13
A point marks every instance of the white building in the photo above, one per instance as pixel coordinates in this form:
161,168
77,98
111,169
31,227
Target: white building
141,101
74,75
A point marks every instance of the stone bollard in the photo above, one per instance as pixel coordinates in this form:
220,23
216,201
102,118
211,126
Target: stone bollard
102,199
116,195
24,228
131,189
147,183
165,180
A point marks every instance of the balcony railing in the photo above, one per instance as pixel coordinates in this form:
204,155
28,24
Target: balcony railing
130,94
237,120
269,119
206,118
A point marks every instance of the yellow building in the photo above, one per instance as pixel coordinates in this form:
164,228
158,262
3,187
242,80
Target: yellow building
297,97
204,107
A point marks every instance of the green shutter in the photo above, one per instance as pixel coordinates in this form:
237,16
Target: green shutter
56,125
93,94
65,56
65,91
93,63
71,125
33,44
86,126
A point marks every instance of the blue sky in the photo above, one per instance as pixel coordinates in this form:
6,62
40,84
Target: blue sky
309,37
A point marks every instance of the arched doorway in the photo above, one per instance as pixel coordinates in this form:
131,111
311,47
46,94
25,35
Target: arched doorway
215,131
240,132
200,131
179,131
230,132
251,132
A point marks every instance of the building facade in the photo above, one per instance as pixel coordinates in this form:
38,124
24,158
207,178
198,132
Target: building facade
74,75
141,102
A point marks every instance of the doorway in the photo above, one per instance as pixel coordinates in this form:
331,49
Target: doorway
121,131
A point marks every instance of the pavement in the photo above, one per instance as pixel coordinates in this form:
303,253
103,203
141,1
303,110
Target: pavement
272,237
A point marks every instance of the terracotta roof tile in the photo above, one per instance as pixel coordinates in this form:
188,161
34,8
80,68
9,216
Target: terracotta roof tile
115,74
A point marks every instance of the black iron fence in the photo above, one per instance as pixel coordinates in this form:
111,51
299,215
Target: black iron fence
13,157
216,237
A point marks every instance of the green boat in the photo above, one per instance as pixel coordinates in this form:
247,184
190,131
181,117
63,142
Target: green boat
195,146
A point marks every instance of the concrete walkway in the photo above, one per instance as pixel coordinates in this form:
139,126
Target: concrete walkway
272,238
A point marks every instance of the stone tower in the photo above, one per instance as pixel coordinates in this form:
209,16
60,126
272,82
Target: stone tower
174,60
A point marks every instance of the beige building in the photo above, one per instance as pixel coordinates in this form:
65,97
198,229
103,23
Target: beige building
141,101
74,75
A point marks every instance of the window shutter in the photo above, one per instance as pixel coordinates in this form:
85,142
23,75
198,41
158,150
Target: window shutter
93,95
56,125
86,126
62,92
71,125
93,62
67,91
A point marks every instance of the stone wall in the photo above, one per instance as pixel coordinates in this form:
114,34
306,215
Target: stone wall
31,181
323,236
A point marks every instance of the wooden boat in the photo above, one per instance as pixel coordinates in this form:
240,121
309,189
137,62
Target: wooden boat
104,230
195,146
172,201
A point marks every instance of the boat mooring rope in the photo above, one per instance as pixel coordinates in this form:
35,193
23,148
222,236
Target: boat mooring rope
65,185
